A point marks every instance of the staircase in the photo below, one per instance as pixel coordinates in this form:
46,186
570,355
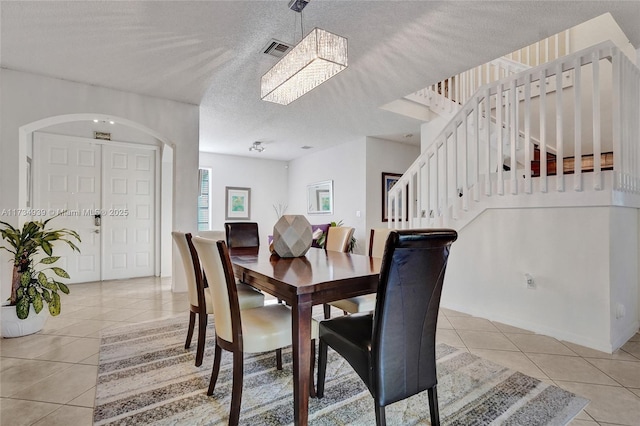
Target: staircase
471,165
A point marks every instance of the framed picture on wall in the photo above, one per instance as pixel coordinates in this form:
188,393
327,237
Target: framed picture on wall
388,181
237,203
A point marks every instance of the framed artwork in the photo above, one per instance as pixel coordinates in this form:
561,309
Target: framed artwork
320,197
238,203
388,182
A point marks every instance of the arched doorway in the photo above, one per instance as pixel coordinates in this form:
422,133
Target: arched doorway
80,125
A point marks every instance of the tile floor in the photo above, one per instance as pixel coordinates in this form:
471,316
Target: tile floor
49,378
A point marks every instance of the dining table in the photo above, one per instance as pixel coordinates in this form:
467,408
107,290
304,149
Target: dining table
318,277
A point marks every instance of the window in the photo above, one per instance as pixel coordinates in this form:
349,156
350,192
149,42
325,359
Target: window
203,200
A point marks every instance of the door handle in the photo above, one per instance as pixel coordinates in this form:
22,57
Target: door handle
96,231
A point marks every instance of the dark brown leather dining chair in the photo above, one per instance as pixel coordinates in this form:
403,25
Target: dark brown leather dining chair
242,234
393,349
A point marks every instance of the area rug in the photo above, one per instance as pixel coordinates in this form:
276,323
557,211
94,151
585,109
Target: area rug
146,376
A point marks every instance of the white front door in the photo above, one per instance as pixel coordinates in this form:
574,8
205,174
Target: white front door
67,178
85,178
128,212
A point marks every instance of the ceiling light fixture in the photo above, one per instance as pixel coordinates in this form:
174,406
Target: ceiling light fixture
257,146
318,57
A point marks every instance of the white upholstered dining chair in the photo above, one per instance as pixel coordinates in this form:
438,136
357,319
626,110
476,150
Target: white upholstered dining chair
200,303
260,329
367,302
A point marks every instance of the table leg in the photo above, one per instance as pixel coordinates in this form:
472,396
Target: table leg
301,329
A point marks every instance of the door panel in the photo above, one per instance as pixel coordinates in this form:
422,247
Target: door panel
67,177
129,212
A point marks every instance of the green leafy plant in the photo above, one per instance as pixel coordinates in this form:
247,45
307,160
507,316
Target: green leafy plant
32,283
352,243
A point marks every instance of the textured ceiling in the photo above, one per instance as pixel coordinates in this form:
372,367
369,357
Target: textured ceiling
209,53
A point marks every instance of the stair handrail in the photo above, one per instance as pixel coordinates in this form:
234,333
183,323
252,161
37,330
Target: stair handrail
437,205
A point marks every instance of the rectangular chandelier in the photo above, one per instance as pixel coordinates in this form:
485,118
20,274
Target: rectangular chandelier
317,58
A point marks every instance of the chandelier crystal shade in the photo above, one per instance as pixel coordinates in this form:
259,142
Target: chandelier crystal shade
317,58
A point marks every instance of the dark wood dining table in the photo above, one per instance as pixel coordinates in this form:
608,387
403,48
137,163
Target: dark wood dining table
318,277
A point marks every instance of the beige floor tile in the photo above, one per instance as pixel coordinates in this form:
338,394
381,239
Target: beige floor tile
17,412
6,363
486,340
62,387
608,404
513,360
151,315
582,415
577,422
510,329
449,337
75,351
68,415
470,323
570,369
119,314
87,399
537,343
92,360
592,353
451,313
89,312
55,324
444,323
24,373
636,391
32,346
627,373
84,328
632,347
635,338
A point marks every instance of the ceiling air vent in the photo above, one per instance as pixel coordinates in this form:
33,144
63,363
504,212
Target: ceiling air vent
276,48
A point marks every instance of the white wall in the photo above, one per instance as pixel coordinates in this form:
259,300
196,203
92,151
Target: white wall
344,164
27,98
384,156
266,178
624,276
578,273
600,29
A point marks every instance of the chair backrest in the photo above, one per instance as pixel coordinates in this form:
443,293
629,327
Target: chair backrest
213,235
196,294
338,238
407,304
242,234
377,240
217,266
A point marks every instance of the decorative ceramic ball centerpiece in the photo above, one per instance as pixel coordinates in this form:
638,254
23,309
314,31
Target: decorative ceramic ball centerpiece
292,236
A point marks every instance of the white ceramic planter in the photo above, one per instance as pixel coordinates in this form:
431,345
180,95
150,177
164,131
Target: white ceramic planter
12,326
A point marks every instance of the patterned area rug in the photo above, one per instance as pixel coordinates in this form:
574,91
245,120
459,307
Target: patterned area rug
147,377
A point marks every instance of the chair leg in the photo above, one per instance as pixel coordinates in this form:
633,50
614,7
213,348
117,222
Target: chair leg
312,388
433,406
381,419
202,337
279,359
236,390
215,370
192,323
322,367
327,310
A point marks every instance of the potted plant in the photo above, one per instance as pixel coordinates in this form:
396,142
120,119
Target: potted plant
35,279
